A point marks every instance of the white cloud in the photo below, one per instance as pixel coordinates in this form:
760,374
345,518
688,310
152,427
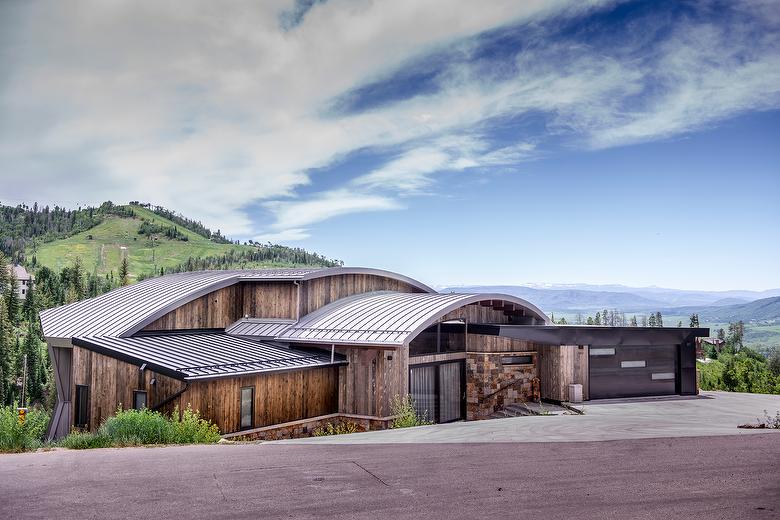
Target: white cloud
215,109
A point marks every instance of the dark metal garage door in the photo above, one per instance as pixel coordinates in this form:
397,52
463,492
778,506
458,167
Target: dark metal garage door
633,371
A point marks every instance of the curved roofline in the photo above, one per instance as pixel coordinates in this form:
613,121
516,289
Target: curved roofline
246,276
477,297
433,316
335,271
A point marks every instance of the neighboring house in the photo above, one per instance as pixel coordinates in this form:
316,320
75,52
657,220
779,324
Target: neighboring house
24,280
715,342
276,352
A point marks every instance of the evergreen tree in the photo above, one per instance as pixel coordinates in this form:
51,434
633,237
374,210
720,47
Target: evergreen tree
32,347
5,357
597,321
659,320
721,334
590,320
30,306
633,321
124,272
679,324
651,321
12,297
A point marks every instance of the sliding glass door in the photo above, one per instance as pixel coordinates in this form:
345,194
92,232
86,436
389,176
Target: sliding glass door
438,390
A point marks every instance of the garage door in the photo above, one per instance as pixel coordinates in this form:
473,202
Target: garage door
632,371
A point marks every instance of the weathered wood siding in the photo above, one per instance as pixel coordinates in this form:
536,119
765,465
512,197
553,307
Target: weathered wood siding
322,291
368,384
279,397
560,366
270,300
476,313
487,343
215,310
111,383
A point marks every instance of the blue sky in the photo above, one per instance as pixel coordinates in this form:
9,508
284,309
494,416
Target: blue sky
457,142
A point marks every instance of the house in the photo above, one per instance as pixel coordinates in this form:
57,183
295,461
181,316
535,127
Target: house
276,352
24,280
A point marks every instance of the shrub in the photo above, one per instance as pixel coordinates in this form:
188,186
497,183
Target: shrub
406,414
134,427
139,427
337,429
85,440
15,437
191,429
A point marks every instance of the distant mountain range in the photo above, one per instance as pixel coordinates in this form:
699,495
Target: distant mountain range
723,305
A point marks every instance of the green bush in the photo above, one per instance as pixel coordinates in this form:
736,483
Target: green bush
406,414
191,429
139,427
743,371
134,427
15,437
85,440
337,429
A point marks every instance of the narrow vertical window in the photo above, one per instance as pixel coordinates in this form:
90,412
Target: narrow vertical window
81,413
139,399
247,407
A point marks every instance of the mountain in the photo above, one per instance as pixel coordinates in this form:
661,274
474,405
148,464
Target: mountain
101,237
765,310
584,297
557,300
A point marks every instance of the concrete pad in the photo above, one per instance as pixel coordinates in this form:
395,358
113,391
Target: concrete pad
708,414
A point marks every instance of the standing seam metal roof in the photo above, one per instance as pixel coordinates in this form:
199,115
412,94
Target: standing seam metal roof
386,318
124,311
204,355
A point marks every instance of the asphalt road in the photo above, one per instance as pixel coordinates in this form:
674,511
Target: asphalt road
695,477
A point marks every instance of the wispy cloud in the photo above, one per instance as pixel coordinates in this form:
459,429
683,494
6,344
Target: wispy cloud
215,110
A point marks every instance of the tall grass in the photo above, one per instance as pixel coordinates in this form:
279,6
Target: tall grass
15,437
405,413
139,427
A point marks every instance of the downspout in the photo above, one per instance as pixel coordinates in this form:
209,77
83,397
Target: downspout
171,398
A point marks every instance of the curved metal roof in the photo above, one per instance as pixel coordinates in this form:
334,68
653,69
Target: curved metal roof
259,327
386,318
124,311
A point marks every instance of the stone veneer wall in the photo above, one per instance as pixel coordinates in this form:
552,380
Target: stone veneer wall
485,374
307,427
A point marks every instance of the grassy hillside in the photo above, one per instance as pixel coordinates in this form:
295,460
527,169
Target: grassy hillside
103,246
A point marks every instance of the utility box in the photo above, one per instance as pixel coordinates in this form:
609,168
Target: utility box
575,393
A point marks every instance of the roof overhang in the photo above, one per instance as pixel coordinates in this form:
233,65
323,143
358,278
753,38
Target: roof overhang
593,334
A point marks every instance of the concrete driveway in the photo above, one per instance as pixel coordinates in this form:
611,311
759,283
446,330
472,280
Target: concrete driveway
708,414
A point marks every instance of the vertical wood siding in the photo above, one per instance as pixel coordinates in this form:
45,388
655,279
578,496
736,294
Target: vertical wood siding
111,383
319,292
279,397
368,384
560,366
215,310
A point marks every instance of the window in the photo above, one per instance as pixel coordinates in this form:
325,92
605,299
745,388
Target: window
602,352
517,360
81,413
139,399
633,364
247,407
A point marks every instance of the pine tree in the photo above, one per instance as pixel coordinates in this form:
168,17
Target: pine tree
5,357
590,320
124,272
597,321
633,321
679,324
30,306
32,347
694,320
659,320
651,321
12,298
